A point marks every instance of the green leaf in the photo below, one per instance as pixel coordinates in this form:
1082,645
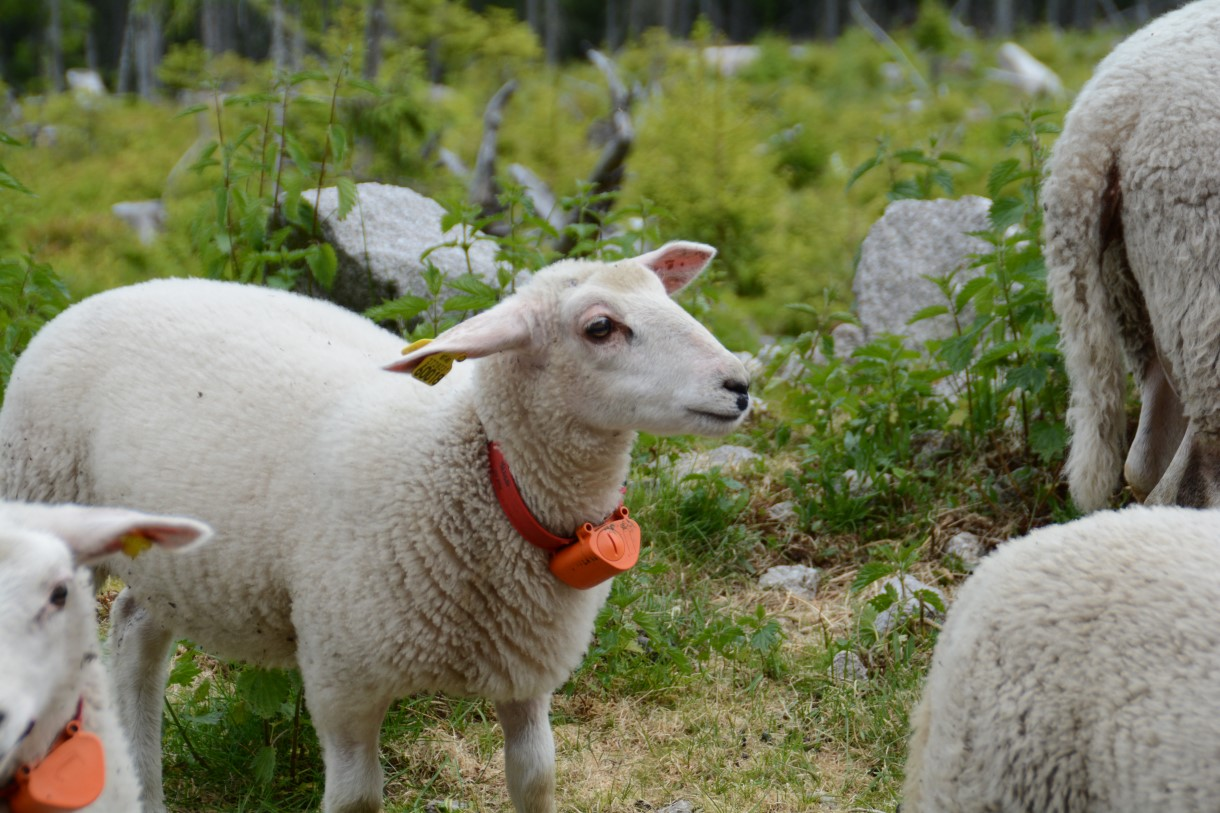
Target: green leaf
1006,212
263,765
405,308
870,572
8,140
265,691
338,143
347,196
1048,440
929,312
185,671
296,151
1029,377
7,181
864,167
469,302
969,290
1001,175
307,76
931,599
323,264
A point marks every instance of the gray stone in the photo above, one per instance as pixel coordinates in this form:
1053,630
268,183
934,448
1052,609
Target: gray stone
908,604
445,806
967,547
83,82
782,511
702,461
680,806
913,240
848,668
1023,71
146,217
800,580
382,239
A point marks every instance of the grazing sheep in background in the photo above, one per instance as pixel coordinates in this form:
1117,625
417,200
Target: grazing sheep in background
1132,236
357,533
1078,671
51,672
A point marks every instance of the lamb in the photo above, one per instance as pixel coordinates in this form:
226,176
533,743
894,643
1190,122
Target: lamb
358,536
1132,239
52,673
1076,671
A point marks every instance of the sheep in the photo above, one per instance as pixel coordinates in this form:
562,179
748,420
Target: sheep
1077,671
357,534
51,672
1132,246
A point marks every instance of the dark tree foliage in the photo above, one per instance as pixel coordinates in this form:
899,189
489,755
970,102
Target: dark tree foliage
37,38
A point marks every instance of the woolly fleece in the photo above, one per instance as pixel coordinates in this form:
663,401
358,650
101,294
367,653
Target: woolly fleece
1077,671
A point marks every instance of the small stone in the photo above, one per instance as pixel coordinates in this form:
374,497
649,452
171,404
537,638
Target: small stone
967,548
445,806
725,458
800,580
782,511
146,217
847,667
680,806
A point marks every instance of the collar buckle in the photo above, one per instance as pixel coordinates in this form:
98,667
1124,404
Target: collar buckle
68,778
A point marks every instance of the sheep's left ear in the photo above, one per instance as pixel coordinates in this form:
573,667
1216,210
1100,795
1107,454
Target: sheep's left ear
504,327
677,263
94,533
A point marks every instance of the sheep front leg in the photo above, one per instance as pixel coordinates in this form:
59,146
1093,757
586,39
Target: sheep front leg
529,753
139,649
348,719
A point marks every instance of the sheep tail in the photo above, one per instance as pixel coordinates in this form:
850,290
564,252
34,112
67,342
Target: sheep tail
1083,236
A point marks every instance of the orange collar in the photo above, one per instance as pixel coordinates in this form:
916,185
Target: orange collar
596,553
69,777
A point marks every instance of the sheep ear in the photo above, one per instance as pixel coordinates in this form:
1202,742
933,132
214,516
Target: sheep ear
94,533
504,327
677,263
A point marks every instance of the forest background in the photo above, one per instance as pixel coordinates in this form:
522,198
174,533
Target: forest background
701,686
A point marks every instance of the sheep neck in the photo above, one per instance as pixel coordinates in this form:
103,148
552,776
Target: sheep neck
567,473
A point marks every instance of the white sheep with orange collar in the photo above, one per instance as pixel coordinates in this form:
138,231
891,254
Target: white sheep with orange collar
61,745
358,536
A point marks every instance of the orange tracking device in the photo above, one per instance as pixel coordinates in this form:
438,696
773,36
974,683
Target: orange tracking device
70,777
600,551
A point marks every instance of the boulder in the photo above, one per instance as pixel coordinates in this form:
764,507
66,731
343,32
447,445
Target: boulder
913,241
146,217
381,242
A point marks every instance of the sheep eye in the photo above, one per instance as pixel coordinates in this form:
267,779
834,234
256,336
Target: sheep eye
599,328
59,595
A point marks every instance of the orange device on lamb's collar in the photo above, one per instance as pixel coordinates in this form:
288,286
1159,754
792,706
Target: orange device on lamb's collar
70,777
596,553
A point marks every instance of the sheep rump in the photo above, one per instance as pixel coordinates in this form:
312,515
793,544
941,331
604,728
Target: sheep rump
357,536
1132,244
1077,672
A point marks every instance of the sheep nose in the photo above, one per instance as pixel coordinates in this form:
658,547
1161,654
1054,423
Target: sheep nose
742,388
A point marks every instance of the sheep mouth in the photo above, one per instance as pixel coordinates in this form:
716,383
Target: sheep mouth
719,417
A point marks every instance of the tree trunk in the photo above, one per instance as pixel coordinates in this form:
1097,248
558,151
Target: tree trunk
279,37
552,23
830,22
147,49
1003,19
614,31
55,47
533,16
374,32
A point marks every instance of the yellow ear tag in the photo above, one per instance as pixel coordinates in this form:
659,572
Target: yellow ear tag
135,544
433,368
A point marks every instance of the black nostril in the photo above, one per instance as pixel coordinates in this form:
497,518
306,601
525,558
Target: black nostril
742,388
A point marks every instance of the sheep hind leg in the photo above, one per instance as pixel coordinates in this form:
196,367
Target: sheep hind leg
1193,477
1159,433
140,649
529,753
348,720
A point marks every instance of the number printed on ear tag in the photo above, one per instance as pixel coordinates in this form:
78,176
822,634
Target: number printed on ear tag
434,368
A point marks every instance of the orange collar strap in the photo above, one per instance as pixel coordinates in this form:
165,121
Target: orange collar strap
68,778
596,553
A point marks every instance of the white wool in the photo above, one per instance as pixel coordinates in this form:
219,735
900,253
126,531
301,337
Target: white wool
48,633
357,535
1132,233
1077,670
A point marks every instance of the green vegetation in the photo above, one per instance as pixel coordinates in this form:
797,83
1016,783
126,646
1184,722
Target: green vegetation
698,685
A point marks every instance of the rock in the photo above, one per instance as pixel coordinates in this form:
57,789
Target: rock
147,217
445,806
725,458
967,547
800,580
848,668
782,511
680,806
1020,69
907,605
730,59
84,82
379,256
915,239
848,338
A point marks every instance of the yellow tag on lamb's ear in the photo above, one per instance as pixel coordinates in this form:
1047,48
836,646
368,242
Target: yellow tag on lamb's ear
415,345
135,544
434,368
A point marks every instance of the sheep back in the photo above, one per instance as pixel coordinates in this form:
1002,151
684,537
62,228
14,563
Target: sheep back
1077,671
